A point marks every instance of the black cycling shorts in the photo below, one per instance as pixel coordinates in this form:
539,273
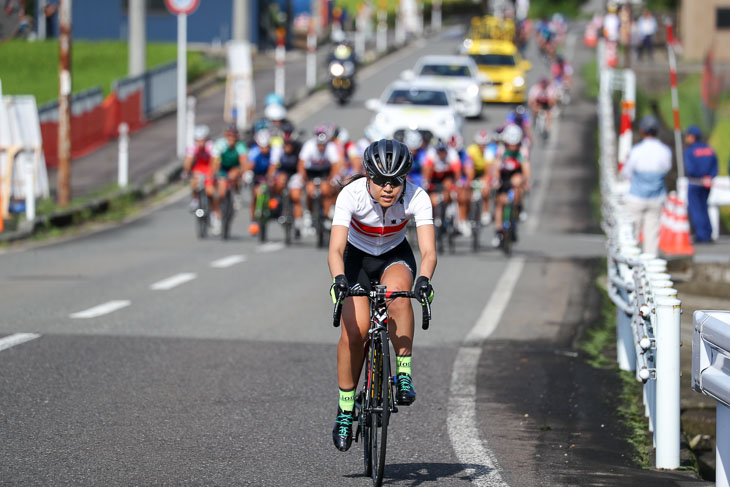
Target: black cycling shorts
506,177
363,268
318,173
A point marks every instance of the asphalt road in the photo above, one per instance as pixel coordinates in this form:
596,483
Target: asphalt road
165,360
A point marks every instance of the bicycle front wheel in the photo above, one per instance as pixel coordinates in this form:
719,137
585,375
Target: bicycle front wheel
381,414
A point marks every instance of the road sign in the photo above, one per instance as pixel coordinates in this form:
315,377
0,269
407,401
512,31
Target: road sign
182,7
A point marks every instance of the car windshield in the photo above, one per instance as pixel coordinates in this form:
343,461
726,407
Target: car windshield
445,70
418,97
493,59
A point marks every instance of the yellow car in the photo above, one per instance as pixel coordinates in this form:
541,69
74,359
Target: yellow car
503,67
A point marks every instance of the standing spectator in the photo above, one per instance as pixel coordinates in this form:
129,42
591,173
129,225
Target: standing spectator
611,23
647,30
647,164
700,162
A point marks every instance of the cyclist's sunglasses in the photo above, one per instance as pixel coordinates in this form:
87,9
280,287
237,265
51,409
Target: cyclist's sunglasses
384,180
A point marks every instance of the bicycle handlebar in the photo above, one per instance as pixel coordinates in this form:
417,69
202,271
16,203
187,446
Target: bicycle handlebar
425,305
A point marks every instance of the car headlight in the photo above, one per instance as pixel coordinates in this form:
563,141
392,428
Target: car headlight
336,69
472,90
518,82
468,43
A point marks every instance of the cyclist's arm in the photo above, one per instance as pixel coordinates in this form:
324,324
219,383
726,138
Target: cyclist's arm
344,207
215,164
338,241
423,213
187,164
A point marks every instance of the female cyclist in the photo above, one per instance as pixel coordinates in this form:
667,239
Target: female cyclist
367,243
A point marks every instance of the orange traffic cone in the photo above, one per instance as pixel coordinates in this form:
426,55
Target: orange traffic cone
678,241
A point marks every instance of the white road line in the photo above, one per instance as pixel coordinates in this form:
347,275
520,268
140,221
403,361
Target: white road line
102,309
16,339
173,281
229,261
270,247
461,421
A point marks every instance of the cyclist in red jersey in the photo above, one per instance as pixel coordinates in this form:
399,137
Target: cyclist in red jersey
198,163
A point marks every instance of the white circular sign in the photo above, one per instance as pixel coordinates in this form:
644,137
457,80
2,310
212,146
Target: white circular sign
185,7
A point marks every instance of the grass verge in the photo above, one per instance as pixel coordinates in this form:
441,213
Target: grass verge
31,68
598,344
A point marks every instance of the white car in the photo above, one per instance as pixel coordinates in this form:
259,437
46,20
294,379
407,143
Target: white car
416,105
458,73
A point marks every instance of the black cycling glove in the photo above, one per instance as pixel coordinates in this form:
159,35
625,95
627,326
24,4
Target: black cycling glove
339,288
423,288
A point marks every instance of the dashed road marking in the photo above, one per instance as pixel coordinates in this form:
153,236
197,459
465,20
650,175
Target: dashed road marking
16,339
270,247
471,450
173,281
102,309
229,261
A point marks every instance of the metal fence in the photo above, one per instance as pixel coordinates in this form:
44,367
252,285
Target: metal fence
648,311
711,376
158,87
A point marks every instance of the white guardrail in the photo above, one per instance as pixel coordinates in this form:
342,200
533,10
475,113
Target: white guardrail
711,376
648,314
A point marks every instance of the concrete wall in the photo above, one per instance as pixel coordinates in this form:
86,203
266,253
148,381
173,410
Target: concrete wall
697,21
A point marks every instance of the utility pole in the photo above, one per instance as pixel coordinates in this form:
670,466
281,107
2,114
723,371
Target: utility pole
137,37
241,31
40,15
64,104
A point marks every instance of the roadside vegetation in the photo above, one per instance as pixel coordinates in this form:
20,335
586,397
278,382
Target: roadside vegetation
599,344
31,68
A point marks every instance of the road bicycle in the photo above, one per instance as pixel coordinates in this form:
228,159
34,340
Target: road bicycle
445,217
286,215
262,209
318,216
227,212
376,398
475,213
202,212
509,222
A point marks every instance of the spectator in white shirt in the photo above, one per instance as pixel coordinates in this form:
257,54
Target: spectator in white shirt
647,28
646,166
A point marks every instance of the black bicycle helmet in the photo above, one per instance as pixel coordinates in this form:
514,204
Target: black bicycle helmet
387,158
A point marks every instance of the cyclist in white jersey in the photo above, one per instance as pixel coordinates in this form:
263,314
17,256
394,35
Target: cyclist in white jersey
368,243
320,159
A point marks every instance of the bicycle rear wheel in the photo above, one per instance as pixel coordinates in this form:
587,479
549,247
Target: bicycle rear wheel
202,221
380,416
227,214
508,222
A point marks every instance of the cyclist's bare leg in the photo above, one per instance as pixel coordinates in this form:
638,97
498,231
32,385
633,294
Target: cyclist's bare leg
485,194
309,188
327,196
464,198
254,194
222,188
296,197
499,203
397,277
279,184
350,352
516,180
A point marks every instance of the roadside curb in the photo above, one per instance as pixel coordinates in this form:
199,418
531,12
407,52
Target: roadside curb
164,176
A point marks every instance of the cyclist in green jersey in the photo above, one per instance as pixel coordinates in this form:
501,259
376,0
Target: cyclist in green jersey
229,156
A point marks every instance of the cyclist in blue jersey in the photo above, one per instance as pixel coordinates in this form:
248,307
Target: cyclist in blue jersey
260,167
414,140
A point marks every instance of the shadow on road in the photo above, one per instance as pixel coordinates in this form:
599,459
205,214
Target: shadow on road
419,473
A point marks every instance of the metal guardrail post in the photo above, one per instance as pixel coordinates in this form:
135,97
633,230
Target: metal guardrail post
123,169
667,382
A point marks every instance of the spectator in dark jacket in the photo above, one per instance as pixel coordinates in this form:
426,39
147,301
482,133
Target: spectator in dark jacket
700,162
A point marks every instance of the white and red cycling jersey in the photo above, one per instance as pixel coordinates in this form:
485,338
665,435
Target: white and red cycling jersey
542,96
374,229
442,168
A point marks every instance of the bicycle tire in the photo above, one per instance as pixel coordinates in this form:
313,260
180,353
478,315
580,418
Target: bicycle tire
262,210
288,217
319,221
365,420
227,215
507,229
380,419
202,221
476,224
441,226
